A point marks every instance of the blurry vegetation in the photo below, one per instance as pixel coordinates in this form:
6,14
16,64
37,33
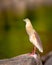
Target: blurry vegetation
13,38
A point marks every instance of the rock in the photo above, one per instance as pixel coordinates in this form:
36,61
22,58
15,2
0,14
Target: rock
25,59
47,59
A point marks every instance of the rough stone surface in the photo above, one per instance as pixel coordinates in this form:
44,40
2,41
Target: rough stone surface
25,59
47,59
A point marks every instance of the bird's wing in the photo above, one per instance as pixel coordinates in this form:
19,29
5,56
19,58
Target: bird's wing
35,39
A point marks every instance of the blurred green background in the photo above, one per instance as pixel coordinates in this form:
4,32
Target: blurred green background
13,37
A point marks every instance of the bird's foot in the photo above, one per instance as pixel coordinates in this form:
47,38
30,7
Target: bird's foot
33,55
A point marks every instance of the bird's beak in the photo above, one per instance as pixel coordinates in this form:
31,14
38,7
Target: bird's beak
24,20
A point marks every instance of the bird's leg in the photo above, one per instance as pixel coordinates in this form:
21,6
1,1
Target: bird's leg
34,50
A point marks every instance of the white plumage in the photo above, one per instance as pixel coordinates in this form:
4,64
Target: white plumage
33,36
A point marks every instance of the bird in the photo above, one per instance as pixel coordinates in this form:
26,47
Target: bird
33,36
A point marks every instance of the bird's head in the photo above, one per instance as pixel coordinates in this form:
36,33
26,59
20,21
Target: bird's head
27,21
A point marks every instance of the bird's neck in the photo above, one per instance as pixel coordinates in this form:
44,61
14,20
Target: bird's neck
28,24
29,28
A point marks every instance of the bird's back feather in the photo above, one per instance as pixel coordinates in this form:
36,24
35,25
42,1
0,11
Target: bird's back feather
35,39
